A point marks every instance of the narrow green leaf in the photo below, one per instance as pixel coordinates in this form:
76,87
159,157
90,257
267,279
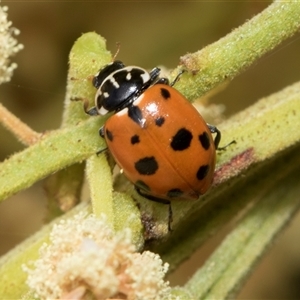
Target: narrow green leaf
57,150
100,182
87,56
229,56
229,266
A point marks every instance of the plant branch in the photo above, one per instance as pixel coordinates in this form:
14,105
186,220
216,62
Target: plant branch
22,131
53,152
87,55
233,54
230,265
101,186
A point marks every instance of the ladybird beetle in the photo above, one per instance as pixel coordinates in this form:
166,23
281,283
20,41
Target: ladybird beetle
155,135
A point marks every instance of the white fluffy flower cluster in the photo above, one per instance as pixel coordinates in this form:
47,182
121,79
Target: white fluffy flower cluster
87,260
9,46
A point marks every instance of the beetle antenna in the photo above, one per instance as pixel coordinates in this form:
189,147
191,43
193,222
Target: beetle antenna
118,44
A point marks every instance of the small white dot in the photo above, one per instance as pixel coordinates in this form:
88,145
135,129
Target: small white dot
128,76
103,111
146,77
114,82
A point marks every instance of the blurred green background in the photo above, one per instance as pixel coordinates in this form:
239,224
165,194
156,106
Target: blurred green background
151,33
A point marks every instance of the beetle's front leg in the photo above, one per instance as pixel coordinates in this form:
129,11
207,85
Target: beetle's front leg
101,131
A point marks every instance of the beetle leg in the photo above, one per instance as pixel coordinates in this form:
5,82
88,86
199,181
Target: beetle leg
92,111
159,200
214,129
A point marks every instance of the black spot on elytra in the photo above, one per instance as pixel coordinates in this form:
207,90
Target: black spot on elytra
159,121
181,140
173,193
204,140
136,115
202,172
142,185
146,166
109,135
165,93
135,139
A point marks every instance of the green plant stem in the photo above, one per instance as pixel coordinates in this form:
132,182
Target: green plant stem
100,181
229,56
230,265
87,56
63,190
54,152
22,131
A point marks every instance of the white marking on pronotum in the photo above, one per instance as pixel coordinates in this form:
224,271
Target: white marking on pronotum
106,95
129,69
145,76
98,94
128,76
102,111
114,82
